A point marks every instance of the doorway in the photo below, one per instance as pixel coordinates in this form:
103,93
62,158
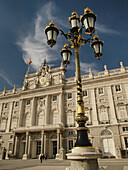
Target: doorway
54,149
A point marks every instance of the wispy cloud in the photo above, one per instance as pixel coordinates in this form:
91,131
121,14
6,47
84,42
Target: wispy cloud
34,45
4,76
104,29
85,67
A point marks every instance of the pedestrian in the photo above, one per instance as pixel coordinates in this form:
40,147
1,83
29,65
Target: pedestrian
41,157
45,157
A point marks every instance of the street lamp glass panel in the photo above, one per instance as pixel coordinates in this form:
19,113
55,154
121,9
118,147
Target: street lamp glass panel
49,35
91,21
96,48
74,23
54,35
66,57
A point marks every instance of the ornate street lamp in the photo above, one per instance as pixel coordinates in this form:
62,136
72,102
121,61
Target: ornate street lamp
66,53
51,33
88,21
76,40
97,46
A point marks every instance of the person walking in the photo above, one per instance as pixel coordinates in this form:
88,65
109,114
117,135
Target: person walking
41,157
45,157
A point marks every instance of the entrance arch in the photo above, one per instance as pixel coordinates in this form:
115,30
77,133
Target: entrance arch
108,144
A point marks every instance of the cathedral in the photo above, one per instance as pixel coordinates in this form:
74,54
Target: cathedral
39,117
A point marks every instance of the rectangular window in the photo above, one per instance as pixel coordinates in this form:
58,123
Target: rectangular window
125,129
85,93
126,142
70,132
118,88
69,95
6,105
70,144
10,146
28,102
38,149
54,98
100,90
16,104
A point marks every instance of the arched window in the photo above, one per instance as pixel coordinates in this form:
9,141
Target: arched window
103,115
41,118
70,118
105,133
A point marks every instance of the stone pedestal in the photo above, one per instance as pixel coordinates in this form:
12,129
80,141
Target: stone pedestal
57,156
62,154
84,158
25,157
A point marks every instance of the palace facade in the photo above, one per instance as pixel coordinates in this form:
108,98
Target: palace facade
39,117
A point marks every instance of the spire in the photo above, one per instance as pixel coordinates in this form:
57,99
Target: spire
45,62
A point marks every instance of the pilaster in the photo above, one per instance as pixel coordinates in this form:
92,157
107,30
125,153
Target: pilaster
9,117
112,107
33,111
21,113
47,110
61,108
94,108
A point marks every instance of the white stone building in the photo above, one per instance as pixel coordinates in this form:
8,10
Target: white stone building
39,117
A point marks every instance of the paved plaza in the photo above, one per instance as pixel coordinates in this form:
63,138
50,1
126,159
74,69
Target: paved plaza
51,164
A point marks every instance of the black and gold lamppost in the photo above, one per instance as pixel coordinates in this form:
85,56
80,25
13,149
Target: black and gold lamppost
76,40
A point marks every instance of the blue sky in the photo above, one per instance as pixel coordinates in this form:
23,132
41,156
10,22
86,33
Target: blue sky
22,24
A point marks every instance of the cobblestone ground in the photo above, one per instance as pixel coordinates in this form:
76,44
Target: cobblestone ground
51,164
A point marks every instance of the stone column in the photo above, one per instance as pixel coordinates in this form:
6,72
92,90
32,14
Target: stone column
15,145
112,107
94,107
29,146
62,151
25,156
47,110
9,117
42,141
33,111
61,108
58,143
21,113
61,142
58,140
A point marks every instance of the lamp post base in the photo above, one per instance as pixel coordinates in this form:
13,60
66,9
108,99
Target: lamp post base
84,158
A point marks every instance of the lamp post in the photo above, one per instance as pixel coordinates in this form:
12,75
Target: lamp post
76,40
